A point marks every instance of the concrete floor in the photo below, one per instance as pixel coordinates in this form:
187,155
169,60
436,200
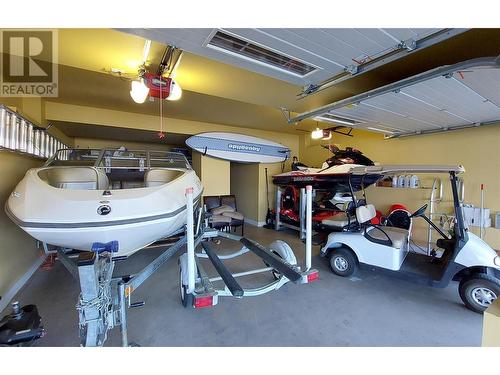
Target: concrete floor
366,310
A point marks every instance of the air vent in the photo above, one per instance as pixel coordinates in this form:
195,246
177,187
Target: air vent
259,54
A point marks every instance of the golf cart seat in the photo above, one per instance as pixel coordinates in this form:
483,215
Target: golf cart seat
389,236
398,236
340,220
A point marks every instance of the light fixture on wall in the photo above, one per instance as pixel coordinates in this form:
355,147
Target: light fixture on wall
317,134
139,91
323,134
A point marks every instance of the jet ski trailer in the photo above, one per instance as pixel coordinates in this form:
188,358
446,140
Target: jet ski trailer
105,298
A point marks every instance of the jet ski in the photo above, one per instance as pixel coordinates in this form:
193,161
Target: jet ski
333,175
98,200
333,206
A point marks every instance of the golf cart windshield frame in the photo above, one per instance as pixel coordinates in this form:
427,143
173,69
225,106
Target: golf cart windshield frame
387,170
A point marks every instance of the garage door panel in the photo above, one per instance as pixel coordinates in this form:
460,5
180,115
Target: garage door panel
452,95
485,82
372,114
410,107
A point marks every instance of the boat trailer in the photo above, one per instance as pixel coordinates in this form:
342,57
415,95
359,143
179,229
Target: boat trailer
105,298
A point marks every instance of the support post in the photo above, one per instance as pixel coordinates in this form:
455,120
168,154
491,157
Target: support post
431,214
302,213
308,227
190,240
481,212
123,314
277,211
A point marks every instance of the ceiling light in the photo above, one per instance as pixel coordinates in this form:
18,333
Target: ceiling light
317,134
139,91
334,119
323,134
175,91
380,130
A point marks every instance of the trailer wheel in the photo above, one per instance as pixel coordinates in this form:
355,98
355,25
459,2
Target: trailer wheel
479,291
187,299
343,262
275,273
282,250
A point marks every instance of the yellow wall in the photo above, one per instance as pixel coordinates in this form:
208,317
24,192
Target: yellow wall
476,149
101,143
213,173
17,249
245,186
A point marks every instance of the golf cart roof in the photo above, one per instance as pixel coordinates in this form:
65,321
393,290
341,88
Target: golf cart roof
407,168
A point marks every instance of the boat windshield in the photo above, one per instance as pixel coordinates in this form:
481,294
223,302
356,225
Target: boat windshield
109,159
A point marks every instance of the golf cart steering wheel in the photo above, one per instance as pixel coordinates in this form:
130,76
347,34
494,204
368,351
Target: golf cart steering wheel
420,211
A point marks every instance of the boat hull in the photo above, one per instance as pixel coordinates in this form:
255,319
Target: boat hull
83,238
74,218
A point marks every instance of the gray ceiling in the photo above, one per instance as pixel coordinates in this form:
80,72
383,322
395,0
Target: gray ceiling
332,51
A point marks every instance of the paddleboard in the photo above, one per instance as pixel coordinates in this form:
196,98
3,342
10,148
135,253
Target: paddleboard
238,147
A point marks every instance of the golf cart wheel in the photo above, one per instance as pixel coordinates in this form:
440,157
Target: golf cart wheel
187,299
479,291
343,262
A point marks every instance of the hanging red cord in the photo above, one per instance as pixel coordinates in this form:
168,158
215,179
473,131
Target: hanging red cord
161,135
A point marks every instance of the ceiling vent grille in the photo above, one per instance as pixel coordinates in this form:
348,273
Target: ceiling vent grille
259,54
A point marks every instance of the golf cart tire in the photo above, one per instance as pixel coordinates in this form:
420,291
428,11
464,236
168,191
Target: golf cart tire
478,280
187,299
343,262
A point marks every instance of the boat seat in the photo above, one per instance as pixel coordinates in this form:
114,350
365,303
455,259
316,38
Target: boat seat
398,236
131,184
76,178
157,177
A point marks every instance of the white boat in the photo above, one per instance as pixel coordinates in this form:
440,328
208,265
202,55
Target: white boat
83,197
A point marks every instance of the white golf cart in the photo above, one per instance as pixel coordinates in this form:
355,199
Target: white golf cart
465,257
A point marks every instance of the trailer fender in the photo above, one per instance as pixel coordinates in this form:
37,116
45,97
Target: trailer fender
284,251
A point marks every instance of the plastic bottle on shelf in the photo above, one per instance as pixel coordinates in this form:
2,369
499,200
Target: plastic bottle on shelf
414,182
395,181
401,181
407,181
